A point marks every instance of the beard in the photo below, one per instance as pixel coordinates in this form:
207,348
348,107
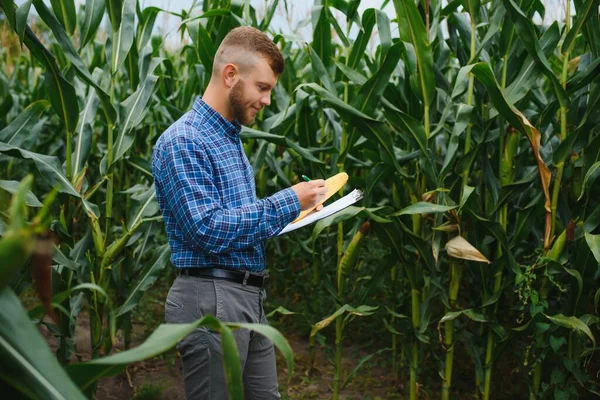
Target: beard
241,113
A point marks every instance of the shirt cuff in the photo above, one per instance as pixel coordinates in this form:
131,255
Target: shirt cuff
287,205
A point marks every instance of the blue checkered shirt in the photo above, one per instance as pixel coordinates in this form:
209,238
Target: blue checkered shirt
206,192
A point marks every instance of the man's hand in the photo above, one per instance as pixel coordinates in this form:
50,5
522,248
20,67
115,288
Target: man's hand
310,193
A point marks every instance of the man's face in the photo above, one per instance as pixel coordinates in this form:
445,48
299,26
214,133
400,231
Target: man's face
252,92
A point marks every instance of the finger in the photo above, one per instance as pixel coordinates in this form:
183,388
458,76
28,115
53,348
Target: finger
319,182
319,207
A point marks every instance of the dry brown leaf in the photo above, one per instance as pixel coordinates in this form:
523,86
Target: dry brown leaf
458,247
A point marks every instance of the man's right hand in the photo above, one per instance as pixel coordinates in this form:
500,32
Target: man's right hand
310,193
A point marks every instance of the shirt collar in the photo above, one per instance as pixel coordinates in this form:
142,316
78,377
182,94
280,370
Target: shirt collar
231,128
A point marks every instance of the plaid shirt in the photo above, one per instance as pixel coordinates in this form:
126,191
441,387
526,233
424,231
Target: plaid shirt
206,192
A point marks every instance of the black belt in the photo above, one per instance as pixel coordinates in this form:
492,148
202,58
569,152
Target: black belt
243,277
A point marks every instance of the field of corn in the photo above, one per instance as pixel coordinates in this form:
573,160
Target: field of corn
471,129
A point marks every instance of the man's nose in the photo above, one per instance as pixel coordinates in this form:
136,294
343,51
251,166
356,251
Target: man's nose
266,99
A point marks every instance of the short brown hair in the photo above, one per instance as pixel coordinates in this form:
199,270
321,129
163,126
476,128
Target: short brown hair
247,38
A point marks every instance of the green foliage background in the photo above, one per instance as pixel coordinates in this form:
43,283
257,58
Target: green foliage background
474,135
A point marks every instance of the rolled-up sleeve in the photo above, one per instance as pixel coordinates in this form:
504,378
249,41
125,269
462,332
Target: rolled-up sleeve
187,181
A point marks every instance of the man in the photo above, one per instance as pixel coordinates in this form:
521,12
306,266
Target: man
215,224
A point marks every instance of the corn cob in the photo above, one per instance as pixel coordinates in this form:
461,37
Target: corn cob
333,185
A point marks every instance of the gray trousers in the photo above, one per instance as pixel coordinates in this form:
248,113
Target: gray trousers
189,299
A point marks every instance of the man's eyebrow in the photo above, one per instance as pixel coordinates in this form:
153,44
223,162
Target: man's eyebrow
268,85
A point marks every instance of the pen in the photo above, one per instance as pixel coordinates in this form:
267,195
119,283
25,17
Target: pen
306,178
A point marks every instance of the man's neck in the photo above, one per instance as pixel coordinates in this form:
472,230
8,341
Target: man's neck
214,97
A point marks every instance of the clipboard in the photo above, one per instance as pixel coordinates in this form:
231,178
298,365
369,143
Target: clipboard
325,212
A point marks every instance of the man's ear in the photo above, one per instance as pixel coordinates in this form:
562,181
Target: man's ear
230,75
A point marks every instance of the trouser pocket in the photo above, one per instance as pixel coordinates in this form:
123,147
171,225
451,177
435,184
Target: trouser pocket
190,299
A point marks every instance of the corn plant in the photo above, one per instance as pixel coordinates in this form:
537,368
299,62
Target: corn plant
95,113
28,364
472,129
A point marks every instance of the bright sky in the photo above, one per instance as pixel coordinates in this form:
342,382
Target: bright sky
297,18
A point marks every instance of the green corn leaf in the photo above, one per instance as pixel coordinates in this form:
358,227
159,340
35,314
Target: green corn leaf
280,310
484,74
584,77
360,311
423,207
406,123
351,74
249,133
529,73
146,281
450,316
563,151
526,32
21,16
468,191
49,166
366,125
94,11
348,8
321,33
16,246
463,117
115,9
412,30
144,205
146,26
332,220
70,53
592,173
376,174
575,274
204,45
593,221
362,40
367,99
338,29
593,242
124,36
84,131
497,19
62,95
17,211
31,367
61,92
264,24
165,337
320,71
214,14
583,14
274,336
132,112
21,125
572,323
231,359
57,299
13,187
384,31
66,14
